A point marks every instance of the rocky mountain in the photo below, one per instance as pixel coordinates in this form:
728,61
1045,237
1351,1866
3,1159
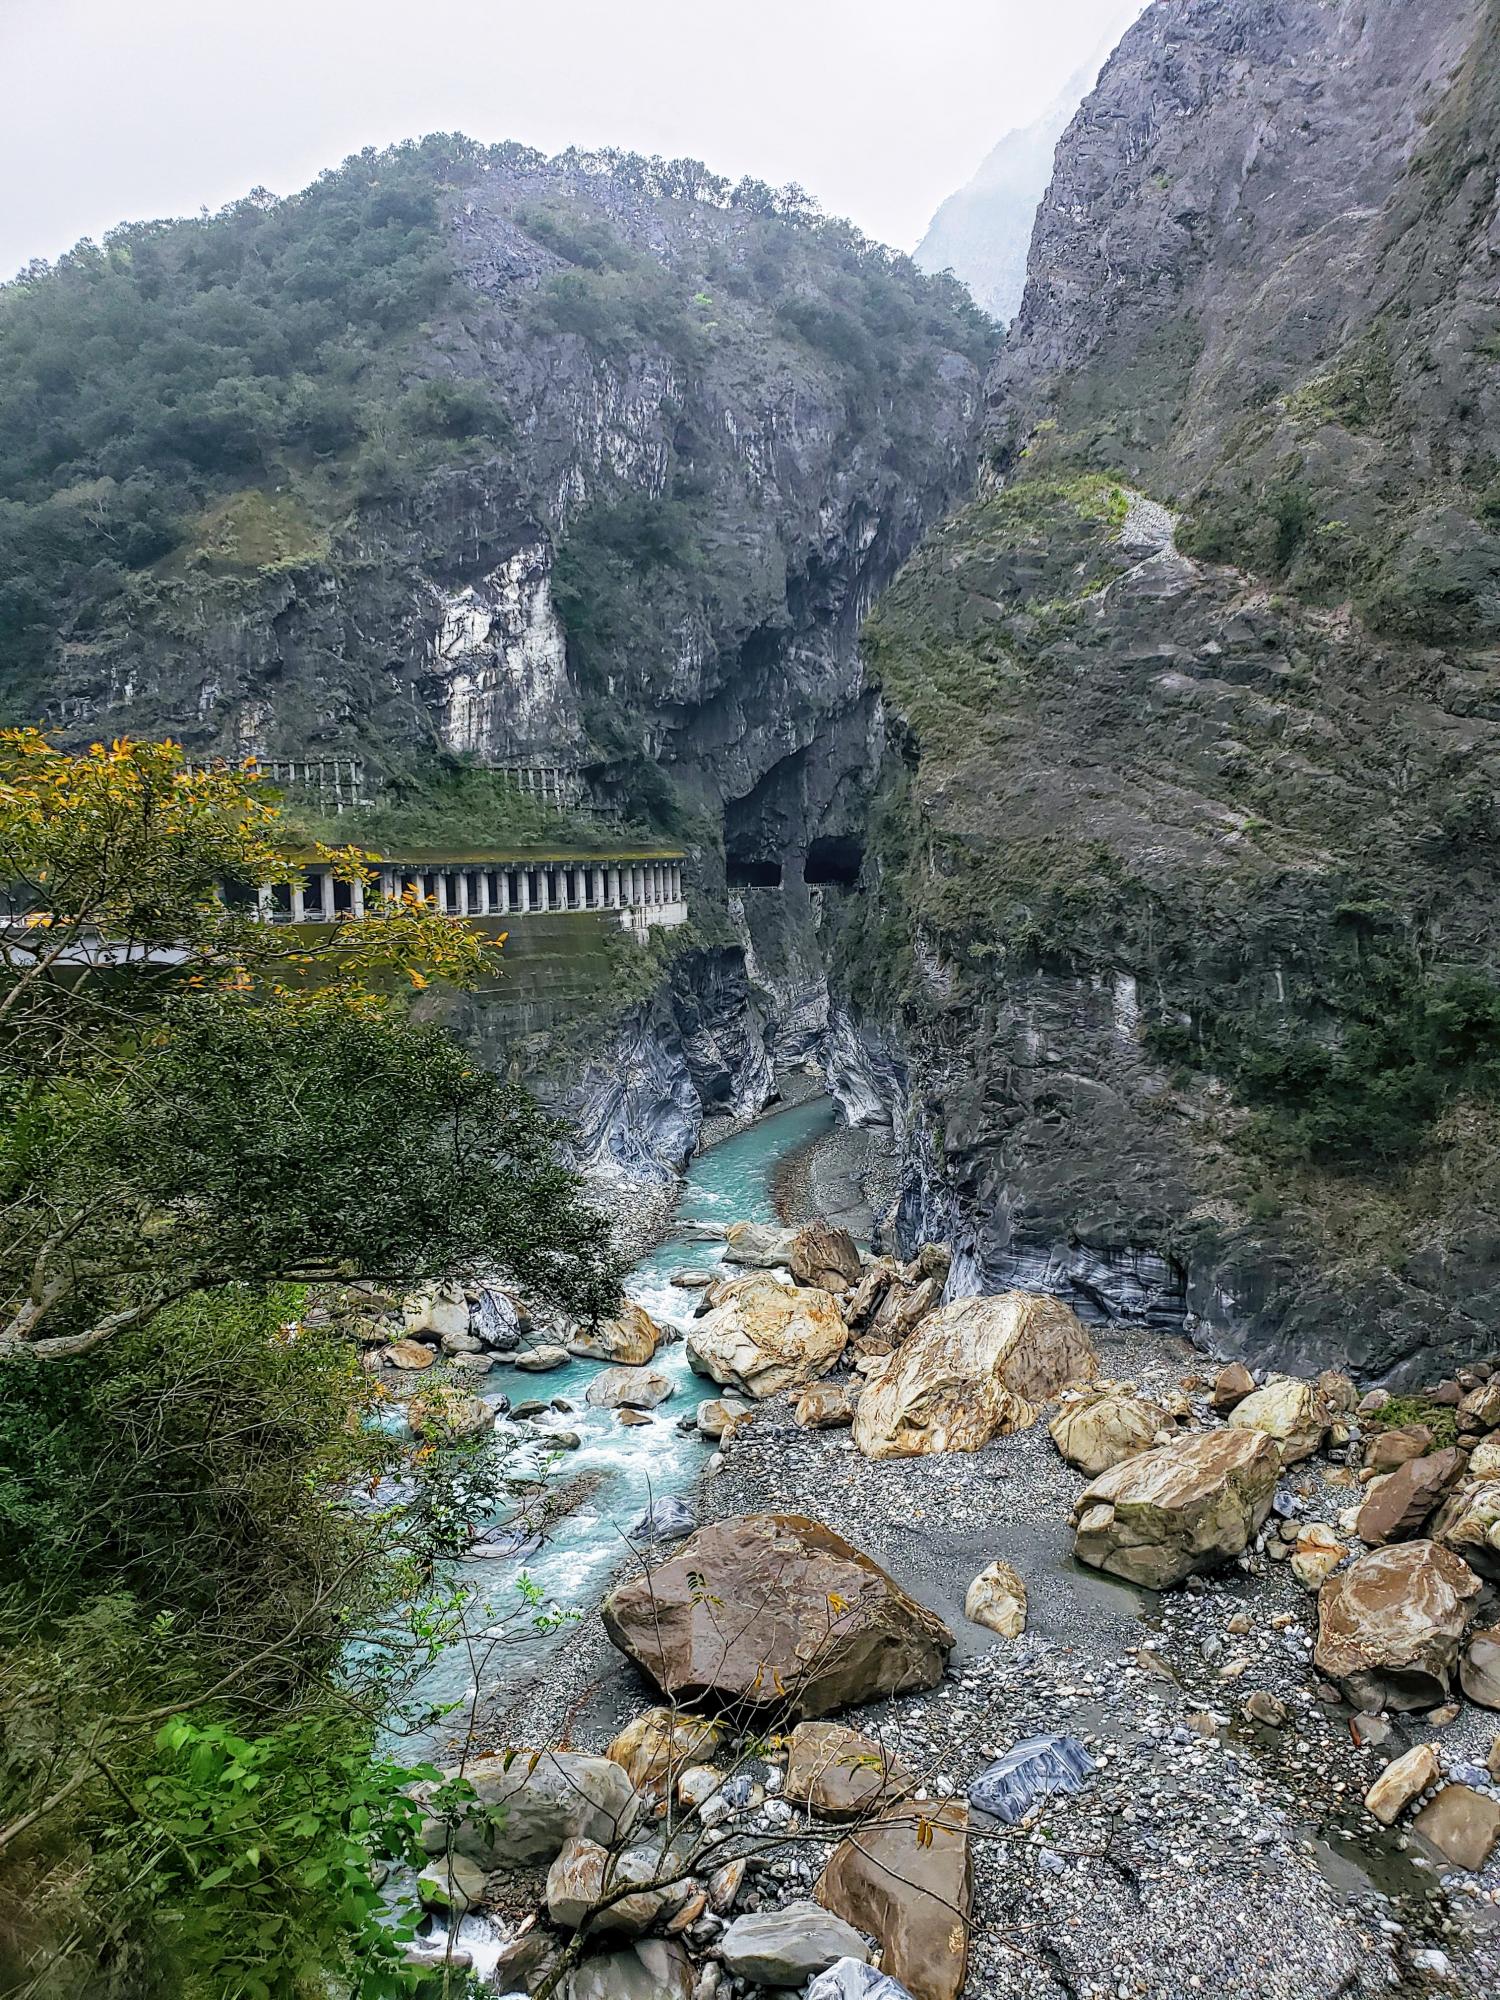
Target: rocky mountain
594,461
1179,957
982,232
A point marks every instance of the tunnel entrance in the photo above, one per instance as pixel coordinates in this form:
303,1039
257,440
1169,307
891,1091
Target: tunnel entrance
833,860
745,873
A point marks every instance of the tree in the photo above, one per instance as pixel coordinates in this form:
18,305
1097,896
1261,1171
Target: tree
189,1096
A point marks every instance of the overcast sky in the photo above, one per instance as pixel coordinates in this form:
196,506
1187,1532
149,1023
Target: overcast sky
121,109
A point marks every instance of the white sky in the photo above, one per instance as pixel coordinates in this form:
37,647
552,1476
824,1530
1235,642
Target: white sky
117,110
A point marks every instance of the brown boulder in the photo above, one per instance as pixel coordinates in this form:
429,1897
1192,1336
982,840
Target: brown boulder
761,1336
631,1338
1187,1506
408,1354
973,1370
824,1406
864,1302
1390,1626
1289,1410
1479,1670
1231,1386
1462,1824
1469,1524
841,1773
907,1880
826,1257
1397,1508
659,1745
775,1613
1480,1408
1102,1428
1405,1778
907,1301
1388,1449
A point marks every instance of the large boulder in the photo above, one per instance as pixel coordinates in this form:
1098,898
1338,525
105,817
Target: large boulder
1462,1824
1390,1626
629,1389
786,1947
631,1338
660,1744
825,1256
409,1354
651,1969
761,1336
1097,1430
758,1246
824,1406
1469,1524
1479,1669
438,1310
590,1889
776,1614
530,1802
1292,1412
1185,1507
1399,1504
908,1880
841,1773
1484,1460
973,1370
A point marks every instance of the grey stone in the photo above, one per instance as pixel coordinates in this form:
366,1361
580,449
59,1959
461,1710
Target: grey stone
786,1947
1034,1769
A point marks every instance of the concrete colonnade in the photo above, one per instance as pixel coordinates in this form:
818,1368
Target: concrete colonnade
482,890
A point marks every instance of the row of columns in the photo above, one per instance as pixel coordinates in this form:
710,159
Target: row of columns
482,892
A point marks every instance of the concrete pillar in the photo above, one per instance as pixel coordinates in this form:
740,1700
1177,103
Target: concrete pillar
299,905
581,888
523,889
356,894
462,883
484,892
598,888
502,883
544,885
263,903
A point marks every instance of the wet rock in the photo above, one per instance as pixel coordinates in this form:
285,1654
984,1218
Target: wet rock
1231,1386
1183,1508
408,1354
629,1389
972,1371
584,1884
1405,1778
775,1612
826,1257
665,1520
1462,1824
1390,1626
454,1883
543,1359
1035,1769
824,1406
1479,1669
1268,1709
1289,1411
1388,1449
997,1599
758,1246
473,1365
1399,1506
631,1338
1469,1524
532,1802
786,1947
724,1885
907,1879
761,1337
632,1419
1096,1431
659,1744
841,1773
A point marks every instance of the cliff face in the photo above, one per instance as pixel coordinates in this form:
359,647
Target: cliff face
1191,808
604,468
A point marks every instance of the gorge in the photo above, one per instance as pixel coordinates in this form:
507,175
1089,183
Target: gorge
994,840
